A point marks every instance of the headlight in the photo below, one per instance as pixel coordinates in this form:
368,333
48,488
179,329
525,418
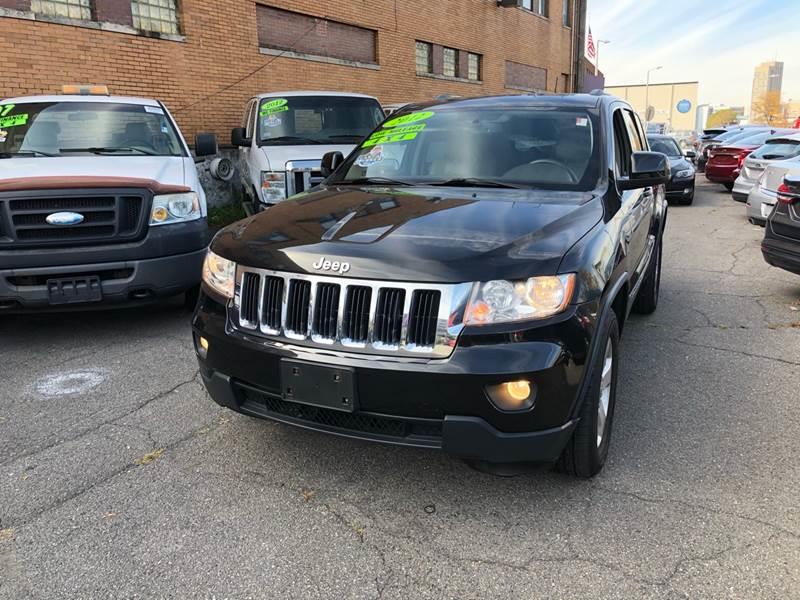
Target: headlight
273,186
175,208
219,274
684,174
536,298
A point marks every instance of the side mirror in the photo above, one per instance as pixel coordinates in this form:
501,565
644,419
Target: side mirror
647,169
331,162
205,144
690,154
239,137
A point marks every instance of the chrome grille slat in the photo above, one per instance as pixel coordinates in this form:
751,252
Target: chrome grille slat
351,315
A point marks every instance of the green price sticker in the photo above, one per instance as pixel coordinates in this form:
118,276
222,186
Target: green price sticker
14,120
274,106
6,108
409,118
390,136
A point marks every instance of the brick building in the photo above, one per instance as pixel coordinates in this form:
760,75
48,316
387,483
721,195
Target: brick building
204,58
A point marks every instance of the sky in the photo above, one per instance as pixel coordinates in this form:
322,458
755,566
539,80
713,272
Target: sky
717,43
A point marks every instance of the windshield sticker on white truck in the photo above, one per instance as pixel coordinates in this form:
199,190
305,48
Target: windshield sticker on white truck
274,106
3,136
374,156
155,110
14,120
271,121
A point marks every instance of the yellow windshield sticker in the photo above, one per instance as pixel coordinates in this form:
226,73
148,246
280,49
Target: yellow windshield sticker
409,118
274,106
6,108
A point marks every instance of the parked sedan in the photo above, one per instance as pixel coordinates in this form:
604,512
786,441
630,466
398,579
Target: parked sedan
776,149
728,136
762,198
681,183
781,245
704,142
725,162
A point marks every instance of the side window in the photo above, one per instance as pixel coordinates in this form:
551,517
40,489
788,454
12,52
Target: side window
637,144
642,133
248,118
622,145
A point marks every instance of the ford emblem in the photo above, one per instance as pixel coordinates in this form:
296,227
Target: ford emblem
64,218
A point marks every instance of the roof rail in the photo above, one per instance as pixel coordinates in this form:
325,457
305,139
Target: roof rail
599,92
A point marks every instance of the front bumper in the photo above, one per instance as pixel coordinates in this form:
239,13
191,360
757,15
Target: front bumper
168,261
432,403
680,188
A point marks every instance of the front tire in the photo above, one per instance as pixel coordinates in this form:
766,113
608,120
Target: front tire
587,450
688,200
728,186
647,299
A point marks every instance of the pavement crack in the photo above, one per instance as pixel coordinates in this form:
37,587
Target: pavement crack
739,352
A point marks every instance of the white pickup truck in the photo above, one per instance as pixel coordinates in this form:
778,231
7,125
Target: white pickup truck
285,135
100,202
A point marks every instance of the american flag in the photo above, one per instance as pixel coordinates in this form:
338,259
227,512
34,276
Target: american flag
591,51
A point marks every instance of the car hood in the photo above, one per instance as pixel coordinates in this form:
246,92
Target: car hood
415,234
278,156
167,170
679,164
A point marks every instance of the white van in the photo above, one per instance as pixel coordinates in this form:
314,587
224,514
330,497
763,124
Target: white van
285,135
100,202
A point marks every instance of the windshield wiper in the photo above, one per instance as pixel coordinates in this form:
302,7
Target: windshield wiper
349,136
375,180
476,182
290,138
108,150
25,153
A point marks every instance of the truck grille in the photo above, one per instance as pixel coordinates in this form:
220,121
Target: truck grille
108,216
302,175
353,315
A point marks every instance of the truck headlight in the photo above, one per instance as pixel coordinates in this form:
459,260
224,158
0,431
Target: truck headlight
175,208
684,174
219,274
273,186
503,301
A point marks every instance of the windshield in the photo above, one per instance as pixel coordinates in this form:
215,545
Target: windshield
778,150
316,120
665,146
75,128
540,147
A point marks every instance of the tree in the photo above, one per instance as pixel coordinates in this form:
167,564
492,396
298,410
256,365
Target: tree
726,116
769,109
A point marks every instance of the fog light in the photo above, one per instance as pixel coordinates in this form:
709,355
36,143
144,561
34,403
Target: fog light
512,395
160,214
201,345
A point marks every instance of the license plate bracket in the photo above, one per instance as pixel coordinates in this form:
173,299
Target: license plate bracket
318,385
76,290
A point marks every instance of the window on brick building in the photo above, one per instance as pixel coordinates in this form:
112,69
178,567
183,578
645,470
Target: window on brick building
450,62
566,13
537,6
73,9
473,66
424,57
160,16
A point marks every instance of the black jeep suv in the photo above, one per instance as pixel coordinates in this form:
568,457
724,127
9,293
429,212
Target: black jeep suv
460,281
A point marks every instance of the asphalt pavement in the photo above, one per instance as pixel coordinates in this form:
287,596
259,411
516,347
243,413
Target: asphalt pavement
119,478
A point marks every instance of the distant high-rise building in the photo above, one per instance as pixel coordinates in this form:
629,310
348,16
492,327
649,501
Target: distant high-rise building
767,81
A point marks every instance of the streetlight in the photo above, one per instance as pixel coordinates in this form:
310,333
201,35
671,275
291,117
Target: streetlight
647,97
597,59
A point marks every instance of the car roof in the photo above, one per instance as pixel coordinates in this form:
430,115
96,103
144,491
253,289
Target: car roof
660,136
791,137
295,93
82,98
518,101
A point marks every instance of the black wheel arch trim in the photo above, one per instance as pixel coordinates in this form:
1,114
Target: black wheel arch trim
613,290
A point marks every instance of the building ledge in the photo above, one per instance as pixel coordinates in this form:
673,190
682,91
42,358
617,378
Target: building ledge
448,78
318,58
26,15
